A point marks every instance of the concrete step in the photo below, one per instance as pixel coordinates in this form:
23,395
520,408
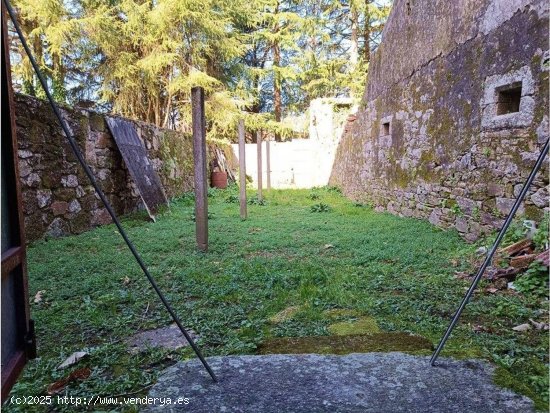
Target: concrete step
311,383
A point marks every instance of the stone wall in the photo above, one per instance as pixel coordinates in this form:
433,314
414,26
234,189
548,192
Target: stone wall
454,114
57,196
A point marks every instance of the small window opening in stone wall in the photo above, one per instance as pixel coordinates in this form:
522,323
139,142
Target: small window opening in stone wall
386,128
508,98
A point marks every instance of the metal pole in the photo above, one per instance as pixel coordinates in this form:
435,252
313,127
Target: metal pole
491,253
259,147
199,155
242,170
100,193
268,163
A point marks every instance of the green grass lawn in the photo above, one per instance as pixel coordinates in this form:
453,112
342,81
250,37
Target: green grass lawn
340,262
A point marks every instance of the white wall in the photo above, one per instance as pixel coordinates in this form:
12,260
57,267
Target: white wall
300,163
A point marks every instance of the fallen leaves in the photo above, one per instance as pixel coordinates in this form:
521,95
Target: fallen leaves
527,326
284,315
478,328
522,261
39,296
79,374
72,359
462,275
522,327
539,326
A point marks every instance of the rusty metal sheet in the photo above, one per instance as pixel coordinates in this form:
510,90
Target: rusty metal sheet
138,163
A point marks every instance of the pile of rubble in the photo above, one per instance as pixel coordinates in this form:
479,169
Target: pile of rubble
508,263
511,261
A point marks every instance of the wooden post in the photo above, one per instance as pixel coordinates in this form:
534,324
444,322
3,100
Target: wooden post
259,147
199,156
268,164
242,170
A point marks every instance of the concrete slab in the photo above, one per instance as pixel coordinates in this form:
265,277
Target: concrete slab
311,383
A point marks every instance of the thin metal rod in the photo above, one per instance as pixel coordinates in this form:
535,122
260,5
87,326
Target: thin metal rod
100,193
491,253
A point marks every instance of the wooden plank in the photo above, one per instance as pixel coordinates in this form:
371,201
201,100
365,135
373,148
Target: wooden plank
137,161
523,261
544,257
268,164
242,171
11,258
516,247
11,371
199,156
259,148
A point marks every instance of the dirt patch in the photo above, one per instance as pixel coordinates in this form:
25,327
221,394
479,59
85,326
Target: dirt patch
169,337
361,343
363,325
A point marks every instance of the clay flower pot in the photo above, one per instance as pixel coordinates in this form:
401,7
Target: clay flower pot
218,180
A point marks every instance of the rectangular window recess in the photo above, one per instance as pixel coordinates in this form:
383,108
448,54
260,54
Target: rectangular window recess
508,98
386,128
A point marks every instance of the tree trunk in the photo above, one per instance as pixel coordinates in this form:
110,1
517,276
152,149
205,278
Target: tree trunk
354,48
58,79
366,31
277,99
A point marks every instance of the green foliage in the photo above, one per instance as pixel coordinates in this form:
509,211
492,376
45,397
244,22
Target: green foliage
314,196
320,207
540,238
260,60
455,209
516,232
187,198
232,199
256,200
193,218
520,228
213,192
334,189
534,280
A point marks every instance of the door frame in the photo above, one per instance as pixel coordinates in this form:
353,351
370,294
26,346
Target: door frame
14,262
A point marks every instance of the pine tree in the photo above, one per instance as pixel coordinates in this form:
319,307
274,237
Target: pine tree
257,59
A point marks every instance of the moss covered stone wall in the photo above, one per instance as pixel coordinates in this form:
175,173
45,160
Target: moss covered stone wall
57,196
431,139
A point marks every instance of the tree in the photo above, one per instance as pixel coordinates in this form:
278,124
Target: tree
257,59
43,23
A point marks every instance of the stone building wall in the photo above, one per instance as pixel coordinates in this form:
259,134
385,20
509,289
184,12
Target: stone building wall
57,196
454,114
